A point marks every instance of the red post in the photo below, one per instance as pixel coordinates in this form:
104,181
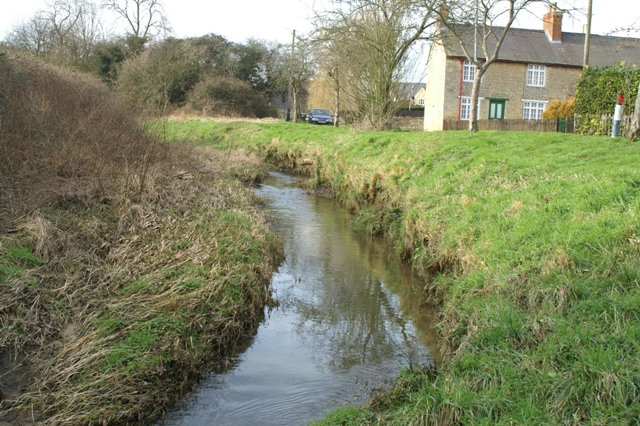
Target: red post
617,116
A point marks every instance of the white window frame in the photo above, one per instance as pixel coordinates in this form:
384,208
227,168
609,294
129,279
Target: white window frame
421,101
533,109
465,107
468,71
536,75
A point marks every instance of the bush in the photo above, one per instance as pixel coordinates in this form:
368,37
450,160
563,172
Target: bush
228,96
63,134
598,87
60,123
592,125
559,109
160,77
107,57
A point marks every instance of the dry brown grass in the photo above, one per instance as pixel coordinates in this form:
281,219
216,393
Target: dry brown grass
122,225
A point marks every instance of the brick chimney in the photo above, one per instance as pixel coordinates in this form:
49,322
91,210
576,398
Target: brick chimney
552,24
443,16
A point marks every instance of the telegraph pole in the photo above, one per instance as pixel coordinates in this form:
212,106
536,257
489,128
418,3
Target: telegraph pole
475,36
291,115
587,36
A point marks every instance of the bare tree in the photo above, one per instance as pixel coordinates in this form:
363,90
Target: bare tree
298,69
63,16
32,35
65,32
372,39
334,73
325,89
145,19
90,31
479,25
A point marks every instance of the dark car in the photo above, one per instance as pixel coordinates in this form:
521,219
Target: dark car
320,116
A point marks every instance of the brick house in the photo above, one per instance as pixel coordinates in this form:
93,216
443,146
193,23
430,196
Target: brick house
533,68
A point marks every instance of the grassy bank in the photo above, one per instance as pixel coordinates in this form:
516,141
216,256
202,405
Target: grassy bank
127,266
529,244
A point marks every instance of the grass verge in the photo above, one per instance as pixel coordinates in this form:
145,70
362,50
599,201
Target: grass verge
529,244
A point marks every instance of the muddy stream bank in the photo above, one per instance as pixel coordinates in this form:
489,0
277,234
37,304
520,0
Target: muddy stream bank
350,316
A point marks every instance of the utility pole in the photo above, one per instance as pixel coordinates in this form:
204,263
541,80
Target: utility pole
587,36
291,115
336,115
475,36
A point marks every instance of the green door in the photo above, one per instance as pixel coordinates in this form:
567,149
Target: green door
562,125
496,109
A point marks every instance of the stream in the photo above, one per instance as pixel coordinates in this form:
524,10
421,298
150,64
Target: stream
350,317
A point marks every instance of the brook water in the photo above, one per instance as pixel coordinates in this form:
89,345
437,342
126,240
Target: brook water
350,316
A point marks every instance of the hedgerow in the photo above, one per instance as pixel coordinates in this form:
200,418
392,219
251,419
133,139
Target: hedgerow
598,87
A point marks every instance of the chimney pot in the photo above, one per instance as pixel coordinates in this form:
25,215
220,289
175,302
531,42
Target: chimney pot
552,24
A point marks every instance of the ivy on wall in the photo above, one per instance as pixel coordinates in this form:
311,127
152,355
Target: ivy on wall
598,87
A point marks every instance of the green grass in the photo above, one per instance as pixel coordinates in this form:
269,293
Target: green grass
23,256
14,260
530,245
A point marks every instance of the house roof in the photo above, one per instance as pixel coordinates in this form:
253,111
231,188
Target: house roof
406,90
533,46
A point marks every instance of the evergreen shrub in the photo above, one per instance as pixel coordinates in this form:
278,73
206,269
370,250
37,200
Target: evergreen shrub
598,87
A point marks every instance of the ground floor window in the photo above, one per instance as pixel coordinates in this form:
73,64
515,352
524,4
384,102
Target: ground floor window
532,110
465,108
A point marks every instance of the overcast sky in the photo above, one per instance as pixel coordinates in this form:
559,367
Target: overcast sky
238,20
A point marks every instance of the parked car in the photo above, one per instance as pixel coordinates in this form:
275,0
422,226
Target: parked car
320,116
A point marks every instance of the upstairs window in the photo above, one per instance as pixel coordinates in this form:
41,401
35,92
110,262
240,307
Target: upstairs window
536,75
468,71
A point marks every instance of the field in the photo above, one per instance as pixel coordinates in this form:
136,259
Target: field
529,244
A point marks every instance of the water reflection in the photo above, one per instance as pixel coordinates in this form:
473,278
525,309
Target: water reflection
339,329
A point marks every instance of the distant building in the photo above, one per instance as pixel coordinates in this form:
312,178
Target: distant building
413,93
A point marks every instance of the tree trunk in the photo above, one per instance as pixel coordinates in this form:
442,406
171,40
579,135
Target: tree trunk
294,112
475,93
635,123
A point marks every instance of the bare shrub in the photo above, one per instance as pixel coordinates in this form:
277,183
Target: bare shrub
228,96
160,77
62,133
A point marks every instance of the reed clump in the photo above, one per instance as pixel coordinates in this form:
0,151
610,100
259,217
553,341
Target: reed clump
126,264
